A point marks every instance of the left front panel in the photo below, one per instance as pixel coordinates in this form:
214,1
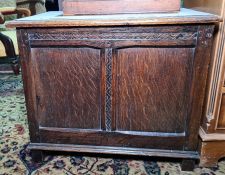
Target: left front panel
67,83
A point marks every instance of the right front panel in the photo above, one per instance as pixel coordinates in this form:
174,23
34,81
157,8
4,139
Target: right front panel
153,89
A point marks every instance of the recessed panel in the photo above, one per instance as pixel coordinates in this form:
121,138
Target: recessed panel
153,89
221,120
68,87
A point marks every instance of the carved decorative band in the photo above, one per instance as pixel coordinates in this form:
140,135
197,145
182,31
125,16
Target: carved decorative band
113,36
108,103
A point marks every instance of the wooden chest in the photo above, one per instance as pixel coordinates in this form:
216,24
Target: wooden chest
127,84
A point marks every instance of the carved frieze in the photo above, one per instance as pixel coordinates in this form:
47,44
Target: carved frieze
113,36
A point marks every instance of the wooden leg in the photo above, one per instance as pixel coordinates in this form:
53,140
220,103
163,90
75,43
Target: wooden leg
15,66
37,155
209,162
211,152
188,165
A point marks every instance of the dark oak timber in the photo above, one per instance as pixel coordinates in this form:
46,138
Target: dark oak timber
114,150
188,165
37,155
127,89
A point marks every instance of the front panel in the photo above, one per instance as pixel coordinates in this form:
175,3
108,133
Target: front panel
139,87
153,87
68,87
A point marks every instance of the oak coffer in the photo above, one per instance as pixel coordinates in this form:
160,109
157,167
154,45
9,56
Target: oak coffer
117,84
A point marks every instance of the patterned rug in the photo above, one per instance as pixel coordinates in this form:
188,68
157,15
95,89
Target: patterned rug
15,157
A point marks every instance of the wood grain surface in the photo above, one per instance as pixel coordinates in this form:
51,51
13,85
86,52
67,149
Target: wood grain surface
93,7
210,6
68,86
153,83
56,19
136,87
211,153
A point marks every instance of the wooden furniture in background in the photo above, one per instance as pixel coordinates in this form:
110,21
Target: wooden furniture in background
19,11
9,55
212,131
117,84
96,7
35,6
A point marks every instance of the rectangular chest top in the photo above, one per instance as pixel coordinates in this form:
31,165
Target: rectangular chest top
56,19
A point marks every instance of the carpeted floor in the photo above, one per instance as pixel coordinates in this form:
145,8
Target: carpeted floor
15,158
